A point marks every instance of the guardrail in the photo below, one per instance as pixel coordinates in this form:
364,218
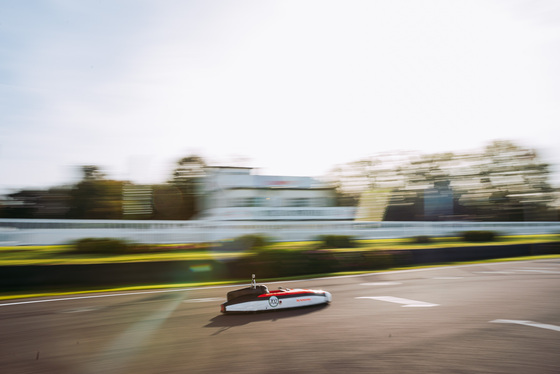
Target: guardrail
14,232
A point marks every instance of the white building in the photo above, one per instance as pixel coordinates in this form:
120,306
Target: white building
234,193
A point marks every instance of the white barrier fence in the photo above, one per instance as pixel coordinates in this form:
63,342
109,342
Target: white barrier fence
14,232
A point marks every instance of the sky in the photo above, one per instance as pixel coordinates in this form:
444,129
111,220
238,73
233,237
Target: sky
289,87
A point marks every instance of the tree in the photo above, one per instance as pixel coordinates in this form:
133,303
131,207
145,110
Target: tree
502,182
21,204
379,171
51,203
92,172
167,202
95,197
187,178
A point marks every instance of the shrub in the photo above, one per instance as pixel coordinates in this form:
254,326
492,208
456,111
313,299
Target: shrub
336,241
479,236
245,243
102,245
421,239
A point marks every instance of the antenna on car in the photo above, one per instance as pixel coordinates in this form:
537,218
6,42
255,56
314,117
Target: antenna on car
253,282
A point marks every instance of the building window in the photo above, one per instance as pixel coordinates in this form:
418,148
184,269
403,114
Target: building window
297,202
260,201
319,202
240,202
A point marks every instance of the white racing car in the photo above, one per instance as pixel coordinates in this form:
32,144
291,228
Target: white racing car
258,298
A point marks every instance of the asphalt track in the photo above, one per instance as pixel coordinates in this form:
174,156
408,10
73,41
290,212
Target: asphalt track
491,318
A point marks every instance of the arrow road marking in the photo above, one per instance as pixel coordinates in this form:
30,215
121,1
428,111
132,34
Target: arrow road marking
407,303
527,323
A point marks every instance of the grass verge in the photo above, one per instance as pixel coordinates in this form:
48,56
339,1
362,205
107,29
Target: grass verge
65,254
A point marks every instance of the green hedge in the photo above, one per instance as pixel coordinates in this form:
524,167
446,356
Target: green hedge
421,239
336,241
479,236
102,246
243,243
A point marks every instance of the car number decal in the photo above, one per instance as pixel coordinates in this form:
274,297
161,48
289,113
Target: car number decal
273,301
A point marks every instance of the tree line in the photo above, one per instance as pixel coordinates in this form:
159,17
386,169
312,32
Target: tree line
502,182
96,196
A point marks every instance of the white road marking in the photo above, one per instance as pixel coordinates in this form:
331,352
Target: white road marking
407,303
528,323
494,272
115,294
380,284
540,271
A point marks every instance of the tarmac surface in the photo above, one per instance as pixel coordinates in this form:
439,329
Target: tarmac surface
488,318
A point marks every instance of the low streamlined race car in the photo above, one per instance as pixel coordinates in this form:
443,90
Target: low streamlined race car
259,298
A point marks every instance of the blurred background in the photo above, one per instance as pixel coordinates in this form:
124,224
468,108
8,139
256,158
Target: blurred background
502,182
